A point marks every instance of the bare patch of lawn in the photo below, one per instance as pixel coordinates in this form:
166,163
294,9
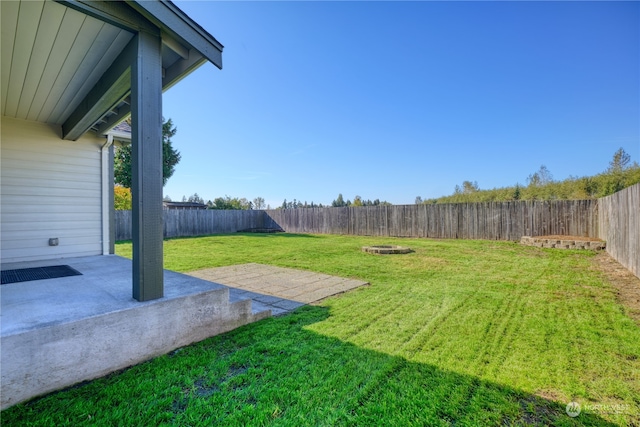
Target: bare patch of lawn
627,285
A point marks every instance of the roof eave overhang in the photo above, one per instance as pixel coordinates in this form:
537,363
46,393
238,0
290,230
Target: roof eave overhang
162,14
107,101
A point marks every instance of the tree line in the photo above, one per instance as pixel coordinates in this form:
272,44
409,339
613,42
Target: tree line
540,185
226,202
338,202
122,201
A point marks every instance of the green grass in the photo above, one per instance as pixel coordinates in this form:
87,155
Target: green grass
456,333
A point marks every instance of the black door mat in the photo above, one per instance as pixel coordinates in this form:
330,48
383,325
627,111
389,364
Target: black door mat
38,273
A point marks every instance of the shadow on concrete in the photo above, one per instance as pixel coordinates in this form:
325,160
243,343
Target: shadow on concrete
279,372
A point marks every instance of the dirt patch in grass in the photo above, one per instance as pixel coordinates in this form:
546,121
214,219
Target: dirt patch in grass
536,411
627,285
551,395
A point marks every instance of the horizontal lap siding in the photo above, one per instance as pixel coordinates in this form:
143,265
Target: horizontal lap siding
50,188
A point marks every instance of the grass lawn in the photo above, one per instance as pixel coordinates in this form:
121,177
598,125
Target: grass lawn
456,333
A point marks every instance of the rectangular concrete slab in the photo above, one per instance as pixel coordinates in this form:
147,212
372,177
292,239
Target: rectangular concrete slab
285,283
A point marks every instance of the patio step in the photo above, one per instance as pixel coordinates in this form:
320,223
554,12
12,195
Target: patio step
276,306
247,309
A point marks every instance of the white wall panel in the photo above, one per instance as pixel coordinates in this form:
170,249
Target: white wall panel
49,188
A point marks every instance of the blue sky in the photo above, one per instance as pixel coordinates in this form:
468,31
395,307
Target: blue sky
394,100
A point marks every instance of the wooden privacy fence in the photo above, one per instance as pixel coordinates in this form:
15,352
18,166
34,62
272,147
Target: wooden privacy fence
619,226
490,221
184,222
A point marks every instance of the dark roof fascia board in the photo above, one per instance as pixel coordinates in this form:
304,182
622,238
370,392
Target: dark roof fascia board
168,17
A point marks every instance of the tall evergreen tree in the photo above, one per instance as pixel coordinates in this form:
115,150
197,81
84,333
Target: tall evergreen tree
619,162
170,158
339,202
517,193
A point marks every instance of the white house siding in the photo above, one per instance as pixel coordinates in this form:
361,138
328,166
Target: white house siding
50,188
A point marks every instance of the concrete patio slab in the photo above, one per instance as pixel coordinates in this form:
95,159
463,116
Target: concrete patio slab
103,287
278,287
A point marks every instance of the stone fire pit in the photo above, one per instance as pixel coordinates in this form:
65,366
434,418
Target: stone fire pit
386,249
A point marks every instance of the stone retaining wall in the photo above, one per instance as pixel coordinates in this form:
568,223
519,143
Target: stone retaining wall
563,243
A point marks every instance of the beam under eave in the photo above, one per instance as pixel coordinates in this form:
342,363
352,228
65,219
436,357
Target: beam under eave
175,46
179,70
113,87
182,68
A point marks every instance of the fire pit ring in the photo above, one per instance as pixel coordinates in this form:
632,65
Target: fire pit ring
386,249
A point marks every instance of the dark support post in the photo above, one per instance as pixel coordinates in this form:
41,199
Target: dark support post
146,123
